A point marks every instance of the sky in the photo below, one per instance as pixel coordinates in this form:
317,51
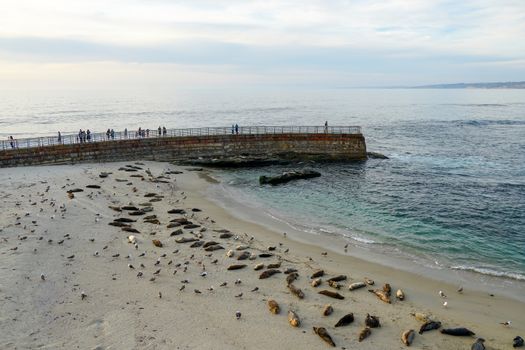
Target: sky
205,43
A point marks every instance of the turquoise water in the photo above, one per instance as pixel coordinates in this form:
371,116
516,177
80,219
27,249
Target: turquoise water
452,193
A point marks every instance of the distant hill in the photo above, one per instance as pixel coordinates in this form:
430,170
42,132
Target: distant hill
505,85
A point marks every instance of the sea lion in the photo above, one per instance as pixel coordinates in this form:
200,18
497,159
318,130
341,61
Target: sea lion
157,243
273,307
327,310
293,319
408,337
236,267
318,273
296,291
517,342
365,332
337,278
400,295
356,285
259,267
372,321
381,295
322,332
460,332
268,273
478,344
331,294
316,282
345,320
334,284
428,326
291,277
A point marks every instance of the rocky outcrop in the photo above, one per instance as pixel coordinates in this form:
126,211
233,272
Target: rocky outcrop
288,176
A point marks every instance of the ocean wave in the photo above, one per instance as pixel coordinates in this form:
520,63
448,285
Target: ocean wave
490,272
487,122
476,104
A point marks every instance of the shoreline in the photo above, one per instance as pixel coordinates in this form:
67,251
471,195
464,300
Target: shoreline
244,210
125,311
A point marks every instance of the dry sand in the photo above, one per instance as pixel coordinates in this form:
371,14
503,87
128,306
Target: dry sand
41,228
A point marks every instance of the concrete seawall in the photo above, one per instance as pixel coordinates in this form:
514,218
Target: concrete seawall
329,146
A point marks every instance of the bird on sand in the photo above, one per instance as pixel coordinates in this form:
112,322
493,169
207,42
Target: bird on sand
441,294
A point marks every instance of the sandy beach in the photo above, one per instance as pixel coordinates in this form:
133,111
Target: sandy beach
69,280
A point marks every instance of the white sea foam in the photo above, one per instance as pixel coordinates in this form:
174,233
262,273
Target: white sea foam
490,272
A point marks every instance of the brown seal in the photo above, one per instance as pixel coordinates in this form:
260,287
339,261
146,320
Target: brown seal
273,307
318,273
365,332
296,291
268,273
316,282
372,321
381,295
387,289
291,277
331,294
323,333
236,267
259,267
327,310
157,243
345,320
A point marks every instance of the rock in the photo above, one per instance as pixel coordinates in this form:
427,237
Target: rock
288,176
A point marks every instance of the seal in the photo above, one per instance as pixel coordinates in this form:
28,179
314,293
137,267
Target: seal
245,255
274,265
236,267
387,289
273,307
408,337
428,326
365,332
372,321
369,281
334,284
400,294
316,282
356,285
293,319
268,273
381,295
421,317
323,334
478,344
296,291
327,310
517,342
459,332
338,278
345,320
230,253
291,277
259,267
318,273
157,243
331,294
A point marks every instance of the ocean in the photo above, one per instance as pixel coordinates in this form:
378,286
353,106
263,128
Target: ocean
450,198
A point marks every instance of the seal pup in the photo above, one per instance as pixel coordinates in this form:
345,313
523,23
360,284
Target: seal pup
372,321
478,344
400,295
273,307
365,332
323,334
408,337
345,320
517,342
296,291
459,332
293,319
327,310
429,325
316,282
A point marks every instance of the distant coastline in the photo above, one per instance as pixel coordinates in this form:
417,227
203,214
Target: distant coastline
499,85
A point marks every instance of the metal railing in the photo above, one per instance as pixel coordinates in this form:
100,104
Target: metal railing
154,133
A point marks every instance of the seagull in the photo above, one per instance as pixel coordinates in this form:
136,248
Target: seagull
157,272
140,274
96,253
182,288
441,294
507,323
238,281
131,266
160,295
83,295
204,274
239,295
237,314
460,289
197,291
142,254
445,304
42,277
255,289
223,284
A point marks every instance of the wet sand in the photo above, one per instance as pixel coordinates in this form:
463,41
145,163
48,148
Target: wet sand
42,228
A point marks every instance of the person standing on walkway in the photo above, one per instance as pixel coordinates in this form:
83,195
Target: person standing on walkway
59,138
233,129
126,133
12,141
88,135
237,129
112,134
326,126
164,131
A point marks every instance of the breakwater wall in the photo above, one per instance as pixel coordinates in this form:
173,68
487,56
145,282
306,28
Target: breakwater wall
335,143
